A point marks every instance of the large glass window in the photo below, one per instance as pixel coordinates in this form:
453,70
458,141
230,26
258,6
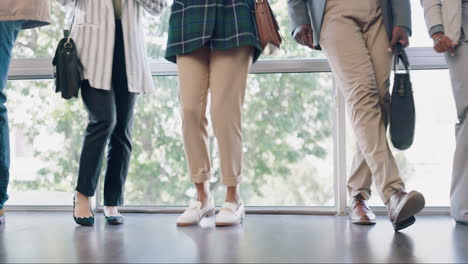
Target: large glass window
288,144
288,155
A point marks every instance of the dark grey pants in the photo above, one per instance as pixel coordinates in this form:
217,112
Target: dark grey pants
110,123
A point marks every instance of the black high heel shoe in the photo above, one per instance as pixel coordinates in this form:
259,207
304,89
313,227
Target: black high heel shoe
84,221
114,220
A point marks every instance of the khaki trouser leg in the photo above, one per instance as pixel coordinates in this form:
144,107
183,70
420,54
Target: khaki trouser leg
225,73
228,81
355,40
194,74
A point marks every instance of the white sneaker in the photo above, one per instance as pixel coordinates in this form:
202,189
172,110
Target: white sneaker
230,214
194,213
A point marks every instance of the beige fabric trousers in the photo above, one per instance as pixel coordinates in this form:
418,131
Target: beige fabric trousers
224,74
356,42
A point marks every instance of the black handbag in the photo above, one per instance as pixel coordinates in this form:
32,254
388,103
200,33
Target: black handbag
67,67
402,109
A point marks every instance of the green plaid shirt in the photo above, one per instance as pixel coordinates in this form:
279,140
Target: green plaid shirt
218,24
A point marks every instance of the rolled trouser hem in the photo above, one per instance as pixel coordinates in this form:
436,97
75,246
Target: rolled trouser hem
387,194
112,203
232,181
200,178
84,192
363,193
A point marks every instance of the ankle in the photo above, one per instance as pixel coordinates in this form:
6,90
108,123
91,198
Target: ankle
203,192
111,211
233,195
203,197
235,200
81,198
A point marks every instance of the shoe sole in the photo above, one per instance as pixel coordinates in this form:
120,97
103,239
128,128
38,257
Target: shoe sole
221,224
414,204
224,224
84,224
207,214
360,222
404,224
115,222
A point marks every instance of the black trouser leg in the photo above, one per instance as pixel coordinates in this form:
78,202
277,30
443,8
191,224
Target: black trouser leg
100,105
120,145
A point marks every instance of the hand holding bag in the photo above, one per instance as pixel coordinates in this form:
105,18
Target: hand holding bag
267,27
402,109
67,67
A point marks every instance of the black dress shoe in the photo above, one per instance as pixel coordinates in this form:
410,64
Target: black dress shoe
114,220
83,221
402,207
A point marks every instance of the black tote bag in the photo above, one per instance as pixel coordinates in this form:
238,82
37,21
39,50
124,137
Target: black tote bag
67,66
402,109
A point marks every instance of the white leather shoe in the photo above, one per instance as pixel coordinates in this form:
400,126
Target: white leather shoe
194,213
230,214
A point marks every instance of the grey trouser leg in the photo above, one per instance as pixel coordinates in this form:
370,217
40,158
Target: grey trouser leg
458,66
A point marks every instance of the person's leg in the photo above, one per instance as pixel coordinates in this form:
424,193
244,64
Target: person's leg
193,94
347,48
100,105
228,80
360,180
458,66
8,32
352,37
376,39
120,145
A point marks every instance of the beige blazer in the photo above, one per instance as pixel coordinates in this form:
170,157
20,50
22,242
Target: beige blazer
34,12
443,16
93,31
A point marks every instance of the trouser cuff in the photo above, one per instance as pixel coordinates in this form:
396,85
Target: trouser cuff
84,191
365,194
232,181
200,178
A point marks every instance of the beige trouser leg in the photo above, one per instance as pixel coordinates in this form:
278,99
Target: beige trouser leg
355,41
225,74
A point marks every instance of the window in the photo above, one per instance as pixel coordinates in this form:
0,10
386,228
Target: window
290,154
288,148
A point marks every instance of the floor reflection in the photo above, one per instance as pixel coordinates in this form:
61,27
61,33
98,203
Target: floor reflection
358,241
460,245
215,244
3,251
402,249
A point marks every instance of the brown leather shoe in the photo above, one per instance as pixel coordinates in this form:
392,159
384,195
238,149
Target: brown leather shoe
402,207
360,213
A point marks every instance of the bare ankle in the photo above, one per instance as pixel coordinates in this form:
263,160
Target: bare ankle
81,197
233,195
203,192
